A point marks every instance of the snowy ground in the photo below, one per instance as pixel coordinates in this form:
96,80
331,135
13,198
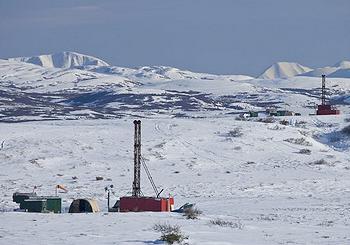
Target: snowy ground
250,173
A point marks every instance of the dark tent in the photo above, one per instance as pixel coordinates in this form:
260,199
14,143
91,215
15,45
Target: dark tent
84,206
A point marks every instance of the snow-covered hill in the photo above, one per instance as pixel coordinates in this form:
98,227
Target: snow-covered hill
288,70
62,60
344,64
318,72
341,73
284,70
156,73
97,90
341,69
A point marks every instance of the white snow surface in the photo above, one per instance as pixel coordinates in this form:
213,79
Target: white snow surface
256,180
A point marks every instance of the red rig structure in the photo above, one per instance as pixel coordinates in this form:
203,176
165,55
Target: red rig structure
137,202
326,108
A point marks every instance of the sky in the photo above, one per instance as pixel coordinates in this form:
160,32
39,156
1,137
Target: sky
214,36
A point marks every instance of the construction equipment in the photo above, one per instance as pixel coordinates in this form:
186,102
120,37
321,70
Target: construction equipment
137,202
325,108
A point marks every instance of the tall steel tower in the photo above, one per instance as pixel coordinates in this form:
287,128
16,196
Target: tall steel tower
323,96
136,187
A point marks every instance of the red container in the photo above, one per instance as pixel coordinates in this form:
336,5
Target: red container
327,110
144,204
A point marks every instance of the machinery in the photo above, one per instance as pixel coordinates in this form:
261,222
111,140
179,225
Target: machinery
137,202
325,108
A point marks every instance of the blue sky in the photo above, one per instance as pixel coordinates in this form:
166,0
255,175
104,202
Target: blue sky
217,36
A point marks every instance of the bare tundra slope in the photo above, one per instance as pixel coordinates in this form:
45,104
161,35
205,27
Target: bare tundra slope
277,184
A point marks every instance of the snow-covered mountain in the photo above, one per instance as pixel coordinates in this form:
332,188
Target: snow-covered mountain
340,69
62,60
344,64
341,73
73,60
320,71
284,70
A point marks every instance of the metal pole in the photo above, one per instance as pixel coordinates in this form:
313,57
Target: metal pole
323,98
108,200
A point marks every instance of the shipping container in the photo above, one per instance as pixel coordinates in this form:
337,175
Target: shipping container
142,204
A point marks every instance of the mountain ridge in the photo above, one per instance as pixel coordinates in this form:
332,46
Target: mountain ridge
75,60
65,60
284,70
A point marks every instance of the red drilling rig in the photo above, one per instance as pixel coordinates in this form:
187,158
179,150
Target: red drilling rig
137,202
325,108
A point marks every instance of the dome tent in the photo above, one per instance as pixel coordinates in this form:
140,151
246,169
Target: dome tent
84,206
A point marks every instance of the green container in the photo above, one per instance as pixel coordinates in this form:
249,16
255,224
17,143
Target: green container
19,197
54,204
34,205
253,114
281,113
42,204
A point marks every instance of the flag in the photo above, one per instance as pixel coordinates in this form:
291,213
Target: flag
61,187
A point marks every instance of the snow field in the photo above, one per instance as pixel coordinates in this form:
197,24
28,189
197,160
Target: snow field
246,172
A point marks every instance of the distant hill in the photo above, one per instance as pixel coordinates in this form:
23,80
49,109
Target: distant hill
345,73
69,85
345,64
284,70
62,60
340,69
320,71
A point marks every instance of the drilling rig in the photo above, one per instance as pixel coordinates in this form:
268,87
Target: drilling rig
137,202
325,108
